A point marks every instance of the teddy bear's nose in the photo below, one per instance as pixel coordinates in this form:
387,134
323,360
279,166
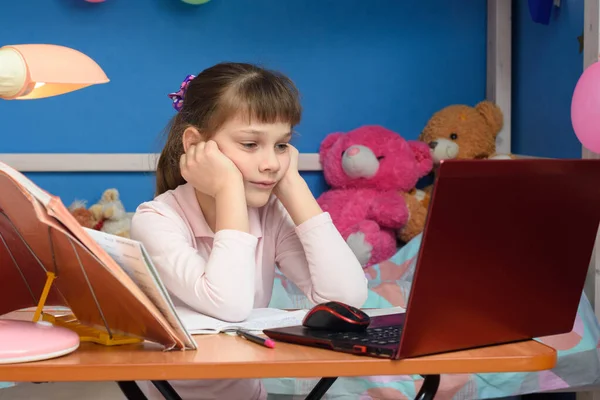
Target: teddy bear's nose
352,151
359,161
433,144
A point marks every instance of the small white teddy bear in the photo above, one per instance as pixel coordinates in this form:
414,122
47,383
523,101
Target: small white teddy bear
111,214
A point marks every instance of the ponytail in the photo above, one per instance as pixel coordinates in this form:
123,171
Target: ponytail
168,173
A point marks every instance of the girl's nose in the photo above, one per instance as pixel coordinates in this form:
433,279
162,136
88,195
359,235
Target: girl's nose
270,163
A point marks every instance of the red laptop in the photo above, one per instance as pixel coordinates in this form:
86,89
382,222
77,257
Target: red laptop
503,258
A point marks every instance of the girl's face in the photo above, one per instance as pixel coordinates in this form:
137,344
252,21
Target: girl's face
260,151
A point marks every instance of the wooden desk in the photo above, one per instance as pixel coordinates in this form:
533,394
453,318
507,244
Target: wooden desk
224,356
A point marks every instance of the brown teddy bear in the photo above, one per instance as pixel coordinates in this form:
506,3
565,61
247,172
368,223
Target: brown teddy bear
463,132
416,202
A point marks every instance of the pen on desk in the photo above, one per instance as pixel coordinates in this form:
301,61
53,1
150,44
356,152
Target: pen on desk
256,339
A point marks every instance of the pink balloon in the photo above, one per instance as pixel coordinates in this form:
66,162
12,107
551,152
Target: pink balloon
585,108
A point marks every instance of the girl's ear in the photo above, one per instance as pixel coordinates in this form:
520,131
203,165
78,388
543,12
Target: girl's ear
190,136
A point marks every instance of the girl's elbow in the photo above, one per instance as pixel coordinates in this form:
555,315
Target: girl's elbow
361,291
359,296
228,308
354,295
236,308
238,313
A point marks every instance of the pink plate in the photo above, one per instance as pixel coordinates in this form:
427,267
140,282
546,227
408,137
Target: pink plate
25,341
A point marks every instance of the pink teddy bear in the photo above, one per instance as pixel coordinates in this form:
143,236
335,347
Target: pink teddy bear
367,169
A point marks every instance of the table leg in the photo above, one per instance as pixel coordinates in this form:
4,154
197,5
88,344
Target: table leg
429,387
131,390
166,390
320,388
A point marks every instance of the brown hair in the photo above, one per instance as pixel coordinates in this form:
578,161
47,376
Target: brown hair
218,94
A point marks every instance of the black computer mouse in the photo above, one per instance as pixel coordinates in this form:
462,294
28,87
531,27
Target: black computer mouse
336,316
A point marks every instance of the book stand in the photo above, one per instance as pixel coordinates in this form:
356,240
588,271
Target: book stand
46,336
26,341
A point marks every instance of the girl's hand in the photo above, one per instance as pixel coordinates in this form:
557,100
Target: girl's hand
294,194
208,169
291,177
293,168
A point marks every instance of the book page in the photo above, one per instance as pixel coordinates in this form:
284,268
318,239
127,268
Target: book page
259,319
133,258
25,182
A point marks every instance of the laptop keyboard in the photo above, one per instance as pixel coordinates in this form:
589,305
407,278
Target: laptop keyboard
383,335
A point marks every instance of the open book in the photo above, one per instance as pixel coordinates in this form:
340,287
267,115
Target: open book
38,235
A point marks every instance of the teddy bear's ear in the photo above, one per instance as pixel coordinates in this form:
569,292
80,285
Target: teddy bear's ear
96,211
110,195
492,114
422,156
328,143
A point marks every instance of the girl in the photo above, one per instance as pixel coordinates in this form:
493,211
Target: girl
230,205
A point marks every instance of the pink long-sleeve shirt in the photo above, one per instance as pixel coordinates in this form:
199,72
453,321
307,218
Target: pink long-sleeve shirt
226,274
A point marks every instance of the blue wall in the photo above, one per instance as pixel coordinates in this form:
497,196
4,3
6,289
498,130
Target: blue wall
356,62
546,67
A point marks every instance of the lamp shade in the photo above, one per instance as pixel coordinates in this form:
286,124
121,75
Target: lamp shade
35,71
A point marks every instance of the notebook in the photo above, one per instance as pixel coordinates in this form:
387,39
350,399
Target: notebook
259,319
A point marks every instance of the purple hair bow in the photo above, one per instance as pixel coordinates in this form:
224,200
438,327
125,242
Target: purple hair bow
178,96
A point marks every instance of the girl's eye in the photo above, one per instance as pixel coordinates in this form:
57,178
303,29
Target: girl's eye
282,147
249,146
